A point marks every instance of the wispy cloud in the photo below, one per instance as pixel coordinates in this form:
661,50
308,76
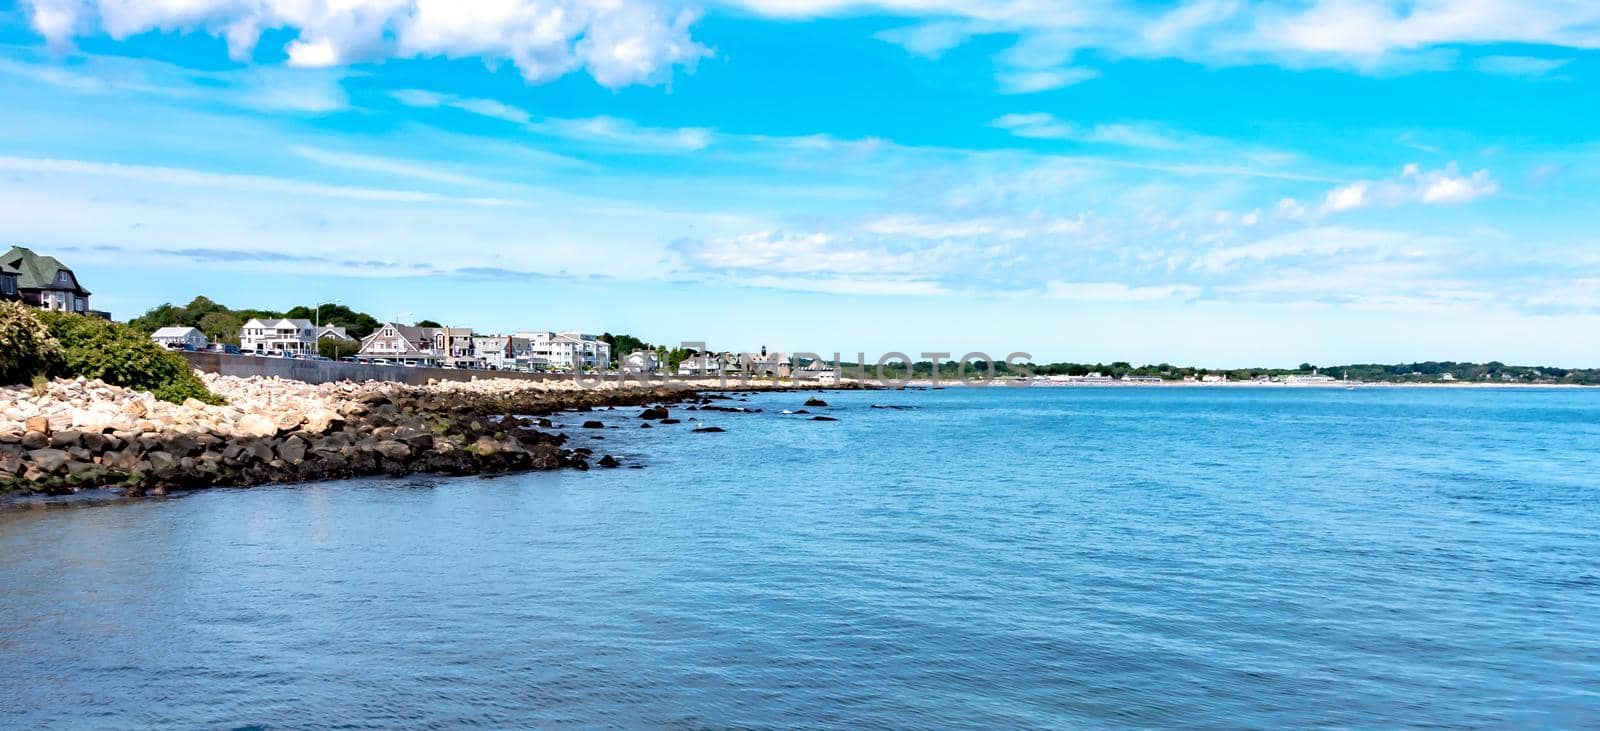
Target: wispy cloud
385,166
1522,66
235,181
1044,126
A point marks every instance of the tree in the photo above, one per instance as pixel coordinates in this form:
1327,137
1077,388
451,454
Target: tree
221,327
428,323
335,348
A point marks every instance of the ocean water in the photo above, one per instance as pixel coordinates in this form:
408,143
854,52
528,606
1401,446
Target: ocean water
997,558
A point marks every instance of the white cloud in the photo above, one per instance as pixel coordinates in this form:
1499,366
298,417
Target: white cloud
1347,198
1431,187
618,42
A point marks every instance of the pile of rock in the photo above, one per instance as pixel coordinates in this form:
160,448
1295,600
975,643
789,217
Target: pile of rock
75,434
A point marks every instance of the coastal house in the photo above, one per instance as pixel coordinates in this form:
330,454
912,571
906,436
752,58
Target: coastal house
43,281
818,370
567,351
333,332
266,335
494,351
708,364
1315,379
1214,378
764,364
400,344
454,346
8,283
180,337
641,361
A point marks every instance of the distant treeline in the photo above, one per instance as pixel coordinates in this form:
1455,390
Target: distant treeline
221,324
1422,372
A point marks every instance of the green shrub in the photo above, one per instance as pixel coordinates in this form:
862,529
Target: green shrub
26,347
122,356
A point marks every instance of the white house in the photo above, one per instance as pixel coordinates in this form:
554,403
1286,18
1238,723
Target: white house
641,361
178,337
290,336
567,351
708,364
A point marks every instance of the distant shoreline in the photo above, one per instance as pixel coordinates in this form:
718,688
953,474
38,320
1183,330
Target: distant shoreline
1337,385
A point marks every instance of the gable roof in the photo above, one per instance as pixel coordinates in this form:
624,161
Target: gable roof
6,269
35,271
173,332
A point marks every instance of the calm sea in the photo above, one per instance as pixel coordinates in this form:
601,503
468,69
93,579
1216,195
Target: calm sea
1002,558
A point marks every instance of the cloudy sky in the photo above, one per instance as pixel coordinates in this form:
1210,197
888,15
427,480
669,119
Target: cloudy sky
1212,181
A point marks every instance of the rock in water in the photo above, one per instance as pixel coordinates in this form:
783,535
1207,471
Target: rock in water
609,462
823,418
813,401
593,425
709,430
654,412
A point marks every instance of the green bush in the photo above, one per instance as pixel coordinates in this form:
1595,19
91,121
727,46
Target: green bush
122,356
26,347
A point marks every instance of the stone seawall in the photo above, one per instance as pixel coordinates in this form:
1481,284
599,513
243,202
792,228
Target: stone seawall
318,372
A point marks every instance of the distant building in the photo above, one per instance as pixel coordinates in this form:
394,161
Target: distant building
400,344
333,332
494,351
280,335
641,361
1312,380
454,346
44,282
1448,377
179,337
708,364
567,351
1141,379
1214,378
8,282
775,365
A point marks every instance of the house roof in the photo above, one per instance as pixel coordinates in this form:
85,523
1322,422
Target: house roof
173,332
8,269
334,331
35,271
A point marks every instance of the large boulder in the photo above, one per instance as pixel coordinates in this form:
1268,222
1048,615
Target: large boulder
48,460
654,412
320,420
292,450
256,425
391,449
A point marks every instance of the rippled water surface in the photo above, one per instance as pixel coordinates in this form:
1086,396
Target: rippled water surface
994,559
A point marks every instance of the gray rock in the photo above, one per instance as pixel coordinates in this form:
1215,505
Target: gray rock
292,450
392,449
48,460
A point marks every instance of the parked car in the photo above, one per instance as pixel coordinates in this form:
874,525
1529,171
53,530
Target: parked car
322,357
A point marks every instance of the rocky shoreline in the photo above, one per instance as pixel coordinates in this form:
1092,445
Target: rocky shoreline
74,435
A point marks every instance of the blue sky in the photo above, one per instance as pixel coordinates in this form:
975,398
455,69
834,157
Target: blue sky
1214,181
